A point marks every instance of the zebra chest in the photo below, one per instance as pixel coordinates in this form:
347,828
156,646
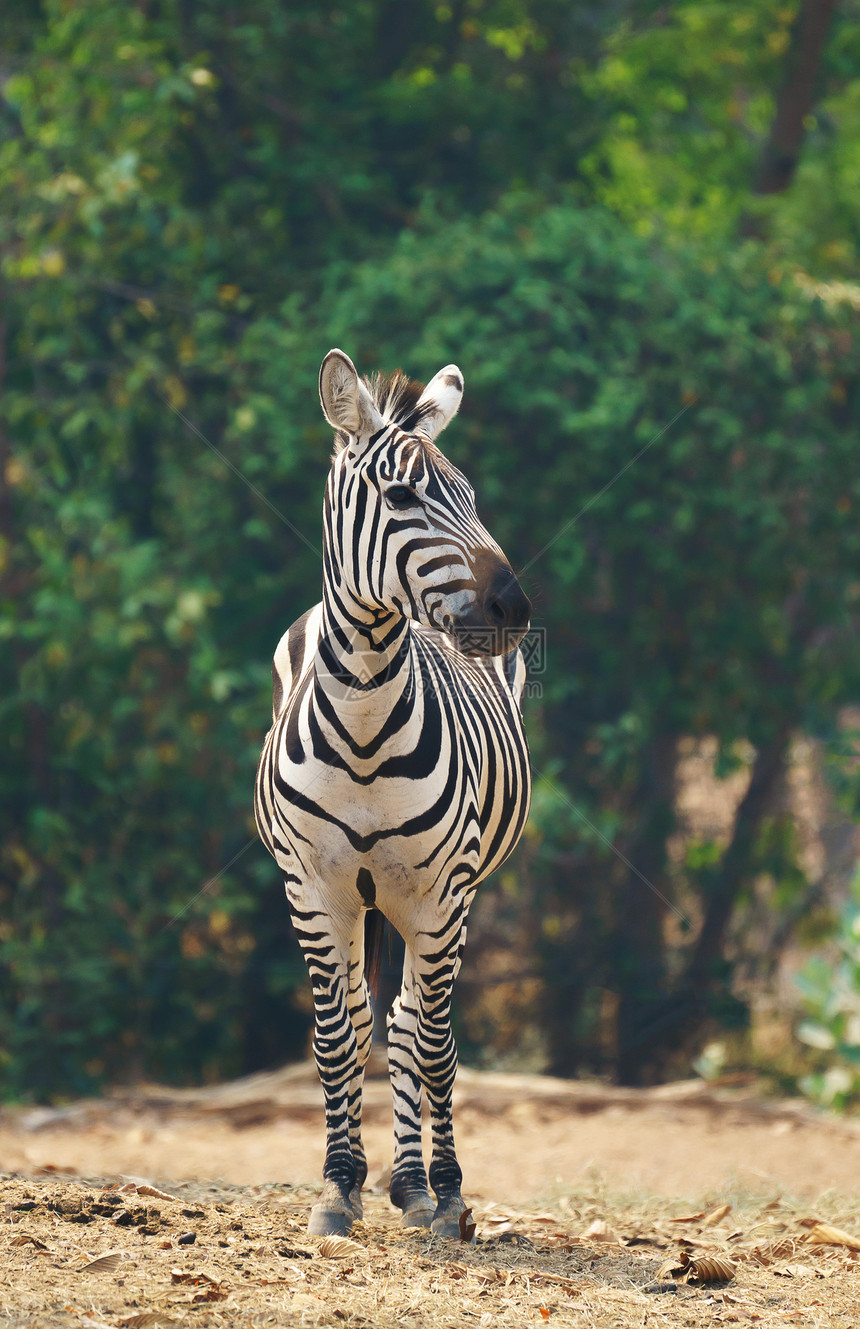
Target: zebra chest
393,813
316,796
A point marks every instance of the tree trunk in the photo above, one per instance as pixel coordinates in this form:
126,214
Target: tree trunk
781,154
675,1025
640,944
734,870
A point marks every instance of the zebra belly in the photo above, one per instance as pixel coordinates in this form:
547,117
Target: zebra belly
412,839
399,833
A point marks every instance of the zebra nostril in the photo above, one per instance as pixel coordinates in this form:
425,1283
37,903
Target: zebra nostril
507,606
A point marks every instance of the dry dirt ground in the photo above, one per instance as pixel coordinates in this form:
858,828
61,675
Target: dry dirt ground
687,1205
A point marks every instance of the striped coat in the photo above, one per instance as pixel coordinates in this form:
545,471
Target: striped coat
395,775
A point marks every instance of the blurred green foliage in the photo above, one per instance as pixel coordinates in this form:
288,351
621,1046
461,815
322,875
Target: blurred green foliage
831,997
660,422
688,99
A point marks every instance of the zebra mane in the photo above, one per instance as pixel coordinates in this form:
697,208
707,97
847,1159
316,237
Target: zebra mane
396,398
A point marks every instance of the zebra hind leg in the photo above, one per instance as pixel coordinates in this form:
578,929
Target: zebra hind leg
336,1051
361,1017
409,1187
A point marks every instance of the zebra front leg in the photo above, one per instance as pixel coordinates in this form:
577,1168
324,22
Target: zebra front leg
436,965
409,1189
325,941
436,1059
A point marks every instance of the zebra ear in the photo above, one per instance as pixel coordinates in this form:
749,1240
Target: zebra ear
346,402
440,401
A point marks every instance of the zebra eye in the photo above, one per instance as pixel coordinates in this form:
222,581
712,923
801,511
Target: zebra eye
401,496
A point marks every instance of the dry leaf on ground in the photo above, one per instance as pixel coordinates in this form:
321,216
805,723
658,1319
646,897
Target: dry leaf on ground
147,1320
143,1188
339,1248
775,1250
467,1226
716,1215
210,1294
822,1234
711,1269
104,1263
24,1239
674,1268
699,1269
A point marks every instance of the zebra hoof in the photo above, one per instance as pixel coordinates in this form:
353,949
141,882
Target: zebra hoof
325,1222
446,1221
420,1216
355,1203
446,1227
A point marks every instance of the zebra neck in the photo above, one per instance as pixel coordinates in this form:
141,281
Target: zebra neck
363,659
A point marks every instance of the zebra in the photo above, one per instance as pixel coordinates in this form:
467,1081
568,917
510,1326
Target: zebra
395,776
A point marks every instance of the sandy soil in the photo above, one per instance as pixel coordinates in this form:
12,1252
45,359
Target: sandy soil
575,1190
521,1139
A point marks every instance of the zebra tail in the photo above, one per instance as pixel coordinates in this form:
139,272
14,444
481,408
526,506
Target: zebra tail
374,934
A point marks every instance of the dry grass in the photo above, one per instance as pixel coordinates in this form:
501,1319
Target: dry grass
217,1255
578,1196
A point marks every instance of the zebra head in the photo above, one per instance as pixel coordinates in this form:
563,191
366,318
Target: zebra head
402,533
